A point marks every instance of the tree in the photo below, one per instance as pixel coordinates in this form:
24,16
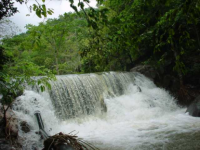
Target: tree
56,43
7,8
54,34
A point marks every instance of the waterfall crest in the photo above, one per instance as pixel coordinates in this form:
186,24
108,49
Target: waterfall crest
79,95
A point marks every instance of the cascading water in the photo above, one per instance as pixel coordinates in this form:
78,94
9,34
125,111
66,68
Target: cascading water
113,111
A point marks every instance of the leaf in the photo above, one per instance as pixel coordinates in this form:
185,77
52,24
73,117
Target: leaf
71,1
44,11
42,88
39,82
49,12
38,13
119,32
48,85
81,4
44,8
74,7
86,1
43,1
35,7
99,2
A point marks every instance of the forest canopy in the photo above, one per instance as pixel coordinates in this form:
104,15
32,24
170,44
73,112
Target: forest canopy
161,33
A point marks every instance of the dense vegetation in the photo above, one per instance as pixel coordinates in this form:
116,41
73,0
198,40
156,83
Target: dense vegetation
53,45
156,32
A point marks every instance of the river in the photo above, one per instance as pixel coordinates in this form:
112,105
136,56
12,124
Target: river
113,111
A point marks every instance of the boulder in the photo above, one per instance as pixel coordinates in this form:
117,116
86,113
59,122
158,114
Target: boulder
12,124
12,127
146,70
194,107
4,145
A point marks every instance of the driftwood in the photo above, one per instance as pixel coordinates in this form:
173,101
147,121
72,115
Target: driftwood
69,141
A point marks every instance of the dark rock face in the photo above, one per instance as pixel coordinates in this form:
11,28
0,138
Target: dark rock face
146,70
194,108
4,145
9,135
185,89
169,81
160,77
63,147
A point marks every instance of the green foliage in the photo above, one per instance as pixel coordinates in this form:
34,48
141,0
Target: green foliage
3,58
93,16
41,10
53,45
18,70
13,86
7,8
116,36
14,79
10,89
164,32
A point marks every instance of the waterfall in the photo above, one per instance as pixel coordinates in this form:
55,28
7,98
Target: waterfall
79,95
114,111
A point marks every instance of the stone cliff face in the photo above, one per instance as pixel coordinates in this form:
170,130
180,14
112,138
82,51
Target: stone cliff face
184,92
194,108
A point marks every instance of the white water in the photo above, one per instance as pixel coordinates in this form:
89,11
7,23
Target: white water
134,120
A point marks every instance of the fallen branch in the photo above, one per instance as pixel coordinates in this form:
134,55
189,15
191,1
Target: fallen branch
68,139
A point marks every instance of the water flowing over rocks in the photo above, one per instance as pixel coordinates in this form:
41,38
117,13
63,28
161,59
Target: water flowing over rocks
79,95
137,115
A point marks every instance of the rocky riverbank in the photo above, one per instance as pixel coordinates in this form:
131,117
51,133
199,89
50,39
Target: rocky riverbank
9,133
185,91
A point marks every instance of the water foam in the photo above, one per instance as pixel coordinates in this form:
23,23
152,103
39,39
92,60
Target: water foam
143,117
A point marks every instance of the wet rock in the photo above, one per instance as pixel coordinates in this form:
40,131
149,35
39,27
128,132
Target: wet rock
4,145
103,105
25,127
62,146
194,108
146,70
139,89
170,82
50,143
11,127
162,78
